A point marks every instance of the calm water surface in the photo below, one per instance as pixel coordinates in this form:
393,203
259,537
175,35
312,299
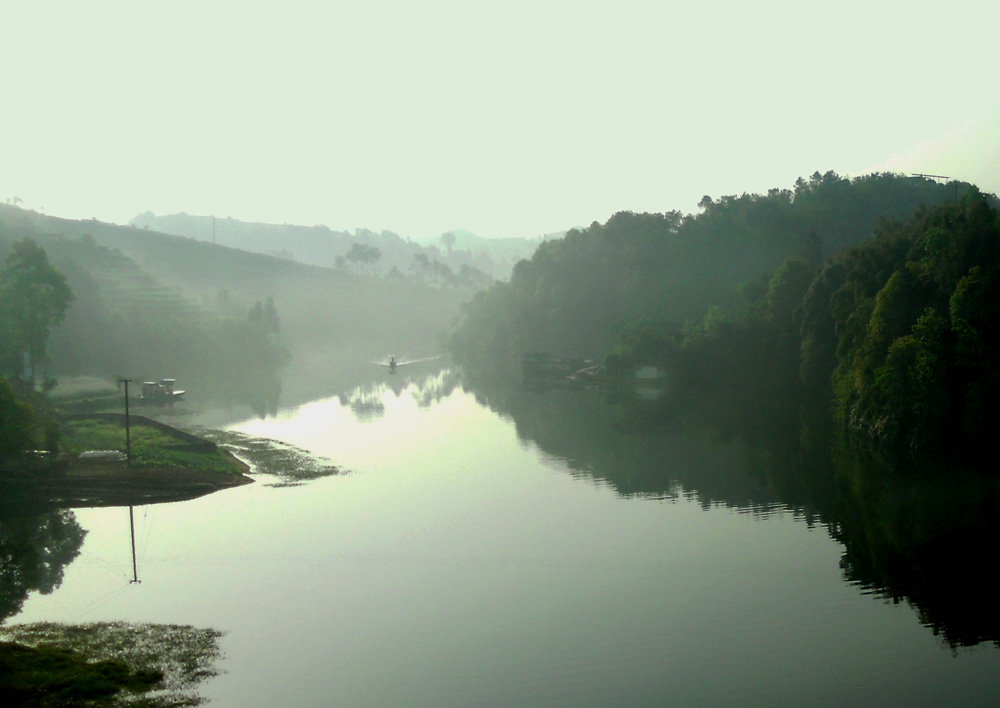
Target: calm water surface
456,564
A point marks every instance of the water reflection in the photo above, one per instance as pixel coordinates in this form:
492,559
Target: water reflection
427,387
365,401
479,560
925,537
34,549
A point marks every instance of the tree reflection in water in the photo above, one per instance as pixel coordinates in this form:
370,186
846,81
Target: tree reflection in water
921,536
427,387
34,551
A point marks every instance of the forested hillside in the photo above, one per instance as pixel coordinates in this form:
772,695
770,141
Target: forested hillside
154,305
907,328
576,295
870,303
896,339
123,322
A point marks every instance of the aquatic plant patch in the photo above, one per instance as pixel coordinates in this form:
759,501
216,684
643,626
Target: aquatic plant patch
106,664
291,465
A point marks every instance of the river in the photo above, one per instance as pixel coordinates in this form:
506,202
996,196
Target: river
475,554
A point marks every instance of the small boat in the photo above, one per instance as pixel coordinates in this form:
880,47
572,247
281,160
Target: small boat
160,391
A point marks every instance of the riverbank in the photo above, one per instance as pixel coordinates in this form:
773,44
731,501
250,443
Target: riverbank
166,465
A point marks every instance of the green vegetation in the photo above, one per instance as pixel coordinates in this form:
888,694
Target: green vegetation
915,318
896,338
105,664
33,300
17,421
872,300
48,676
150,305
290,465
152,445
576,294
28,424
122,320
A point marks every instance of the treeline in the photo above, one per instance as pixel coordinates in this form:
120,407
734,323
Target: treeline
895,340
576,294
870,298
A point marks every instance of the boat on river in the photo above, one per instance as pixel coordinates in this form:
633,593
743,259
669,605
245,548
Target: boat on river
162,391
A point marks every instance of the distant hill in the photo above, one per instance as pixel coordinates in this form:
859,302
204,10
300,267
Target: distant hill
322,246
330,319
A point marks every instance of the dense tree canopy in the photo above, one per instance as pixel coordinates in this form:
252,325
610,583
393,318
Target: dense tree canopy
875,299
917,321
17,427
34,297
896,338
576,294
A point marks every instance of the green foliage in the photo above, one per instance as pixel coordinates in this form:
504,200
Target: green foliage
124,320
106,664
575,294
50,676
152,446
898,337
17,427
787,287
920,375
33,300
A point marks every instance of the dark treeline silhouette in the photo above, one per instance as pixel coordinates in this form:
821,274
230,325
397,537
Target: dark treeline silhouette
576,294
879,289
895,339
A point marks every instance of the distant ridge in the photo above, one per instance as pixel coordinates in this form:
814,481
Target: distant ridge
321,246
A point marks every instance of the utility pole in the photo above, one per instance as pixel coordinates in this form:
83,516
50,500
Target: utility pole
128,430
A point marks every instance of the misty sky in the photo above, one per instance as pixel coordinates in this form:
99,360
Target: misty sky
506,119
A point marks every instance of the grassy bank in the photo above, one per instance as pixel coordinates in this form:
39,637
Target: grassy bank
152,444
166,465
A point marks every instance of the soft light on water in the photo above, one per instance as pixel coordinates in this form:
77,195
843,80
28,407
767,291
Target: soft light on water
455,565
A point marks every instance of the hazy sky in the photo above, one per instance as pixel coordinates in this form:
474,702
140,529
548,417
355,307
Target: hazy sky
507,119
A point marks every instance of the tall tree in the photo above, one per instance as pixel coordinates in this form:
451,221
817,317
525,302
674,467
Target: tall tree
34,297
